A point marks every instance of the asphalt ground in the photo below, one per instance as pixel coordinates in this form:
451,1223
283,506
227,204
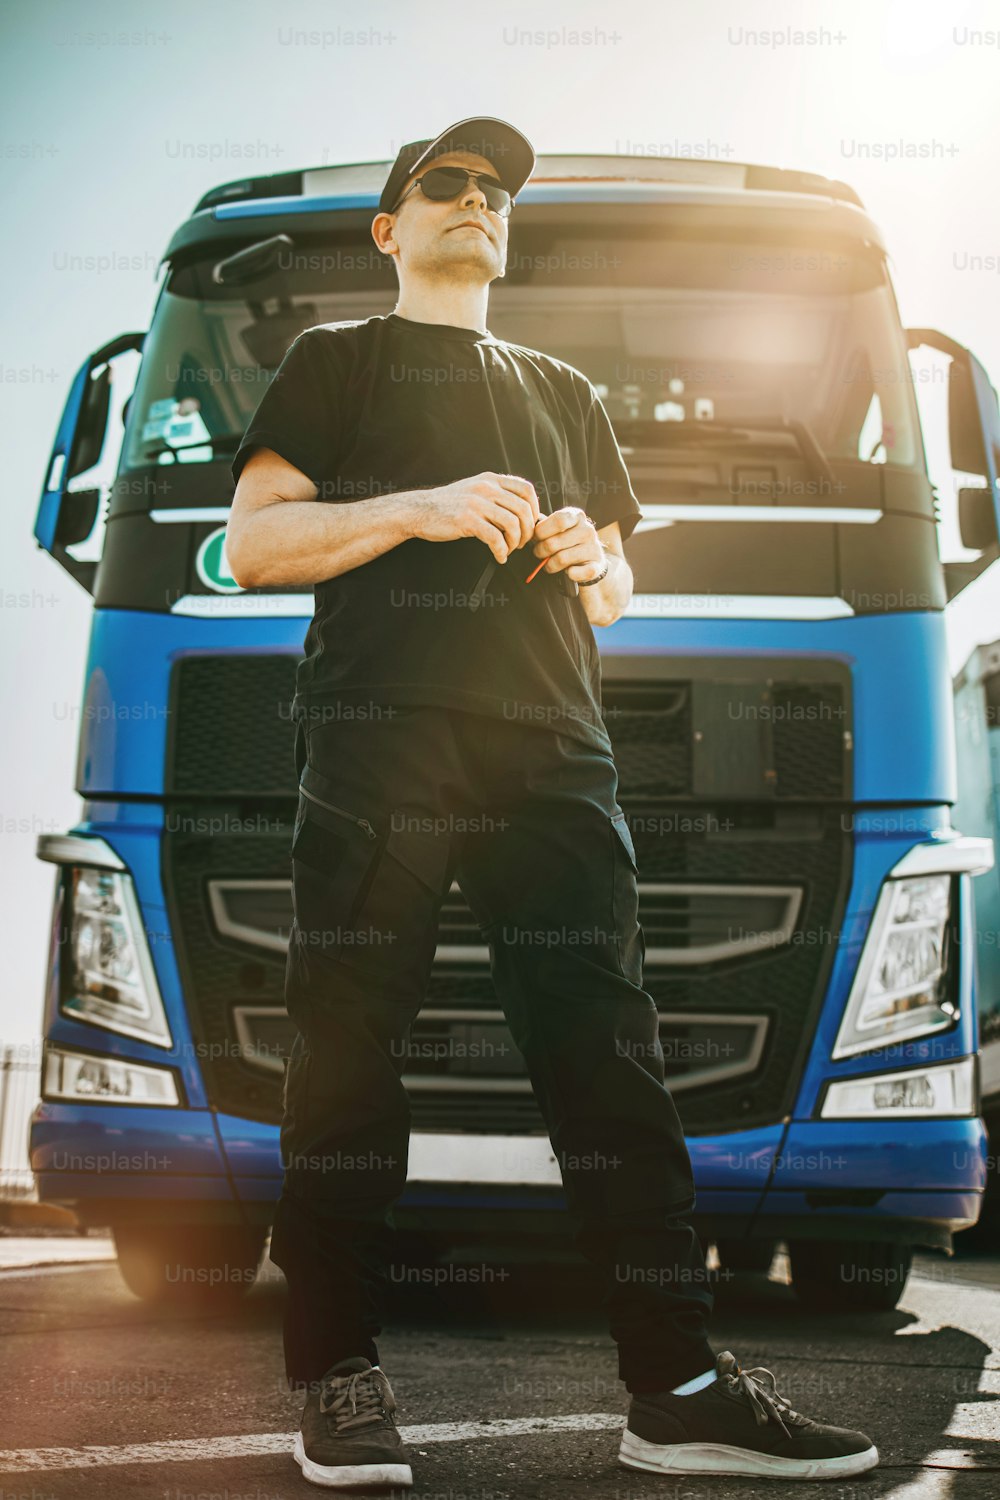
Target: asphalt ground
506,1384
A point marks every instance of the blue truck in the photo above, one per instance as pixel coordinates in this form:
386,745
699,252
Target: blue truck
977,810
778,695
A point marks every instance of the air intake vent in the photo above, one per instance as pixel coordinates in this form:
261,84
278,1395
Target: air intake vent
231,730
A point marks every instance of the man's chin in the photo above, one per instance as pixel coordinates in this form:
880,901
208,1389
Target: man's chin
467,255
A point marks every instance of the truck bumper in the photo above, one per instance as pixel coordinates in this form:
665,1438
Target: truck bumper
913,1180
114,1162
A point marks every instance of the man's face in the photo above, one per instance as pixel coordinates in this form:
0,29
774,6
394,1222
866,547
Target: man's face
440,239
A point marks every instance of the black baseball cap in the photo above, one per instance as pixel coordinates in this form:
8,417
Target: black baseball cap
511,154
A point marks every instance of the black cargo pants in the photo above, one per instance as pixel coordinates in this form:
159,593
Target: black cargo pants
526,818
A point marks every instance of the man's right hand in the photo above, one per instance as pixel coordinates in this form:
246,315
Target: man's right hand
500,509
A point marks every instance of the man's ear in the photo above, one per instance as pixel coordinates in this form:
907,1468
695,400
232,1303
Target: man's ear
386,231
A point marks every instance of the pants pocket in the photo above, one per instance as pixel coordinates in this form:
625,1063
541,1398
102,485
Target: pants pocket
625,897
334,854
295,1115
397,918
367,889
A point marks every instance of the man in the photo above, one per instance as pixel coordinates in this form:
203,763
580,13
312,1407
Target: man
444,686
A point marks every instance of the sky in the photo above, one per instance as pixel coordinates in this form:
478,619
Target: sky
117,117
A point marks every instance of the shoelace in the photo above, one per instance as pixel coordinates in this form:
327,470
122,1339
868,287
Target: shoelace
363,1393
760,1388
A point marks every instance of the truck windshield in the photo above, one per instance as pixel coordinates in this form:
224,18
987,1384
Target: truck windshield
733,369
673,333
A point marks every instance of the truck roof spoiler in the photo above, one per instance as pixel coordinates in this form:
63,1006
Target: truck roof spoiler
370,177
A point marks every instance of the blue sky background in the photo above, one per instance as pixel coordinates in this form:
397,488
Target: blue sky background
116,118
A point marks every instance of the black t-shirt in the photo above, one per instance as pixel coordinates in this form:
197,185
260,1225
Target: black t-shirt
367,408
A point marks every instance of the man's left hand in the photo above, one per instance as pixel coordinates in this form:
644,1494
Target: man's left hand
568,541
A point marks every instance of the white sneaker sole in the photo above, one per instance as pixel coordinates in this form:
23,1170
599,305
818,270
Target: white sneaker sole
349,1476
719,1458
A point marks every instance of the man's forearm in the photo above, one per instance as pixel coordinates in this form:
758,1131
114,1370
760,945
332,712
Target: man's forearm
302,541
603,602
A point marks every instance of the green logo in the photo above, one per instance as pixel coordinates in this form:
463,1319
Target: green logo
213,570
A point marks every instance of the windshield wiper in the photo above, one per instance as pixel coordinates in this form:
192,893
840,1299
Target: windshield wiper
699,431
228,442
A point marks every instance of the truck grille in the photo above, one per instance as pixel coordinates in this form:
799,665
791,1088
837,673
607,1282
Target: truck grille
771,730
740,902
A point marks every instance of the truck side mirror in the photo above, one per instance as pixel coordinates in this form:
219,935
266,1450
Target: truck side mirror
966,434
92,424
977,523
974,435
66,517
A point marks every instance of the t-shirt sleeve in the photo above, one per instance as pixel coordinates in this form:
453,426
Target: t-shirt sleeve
298,415
610,497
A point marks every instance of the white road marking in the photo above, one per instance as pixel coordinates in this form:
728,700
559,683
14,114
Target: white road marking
19,1251
187,1450
31,1273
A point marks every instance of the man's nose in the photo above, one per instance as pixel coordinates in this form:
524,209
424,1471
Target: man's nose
473,194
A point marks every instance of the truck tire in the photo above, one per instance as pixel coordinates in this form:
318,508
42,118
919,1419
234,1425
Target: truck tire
189,1263
984,1236
841,1276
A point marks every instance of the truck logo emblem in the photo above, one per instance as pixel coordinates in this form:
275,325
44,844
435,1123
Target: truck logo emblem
213,570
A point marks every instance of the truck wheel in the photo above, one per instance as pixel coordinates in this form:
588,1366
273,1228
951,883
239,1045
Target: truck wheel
984,1236
197,1263
840,1276
745,1255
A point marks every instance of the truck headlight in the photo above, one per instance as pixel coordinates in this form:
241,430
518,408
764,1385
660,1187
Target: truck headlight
108,976
105,1080
899,991
948,1089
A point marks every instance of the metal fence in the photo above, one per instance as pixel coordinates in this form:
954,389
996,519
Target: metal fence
20,1086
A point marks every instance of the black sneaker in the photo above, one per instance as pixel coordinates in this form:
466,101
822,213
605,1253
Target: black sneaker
348,1435
738,1425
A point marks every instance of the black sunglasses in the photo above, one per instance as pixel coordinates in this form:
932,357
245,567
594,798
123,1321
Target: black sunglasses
439,184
